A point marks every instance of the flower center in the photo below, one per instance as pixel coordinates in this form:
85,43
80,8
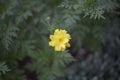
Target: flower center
60,39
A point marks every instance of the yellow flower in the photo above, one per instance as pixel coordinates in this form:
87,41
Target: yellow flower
60,40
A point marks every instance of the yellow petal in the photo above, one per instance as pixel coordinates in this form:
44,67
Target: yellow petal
51,43
67,44
51,37
62,49
66,40
56,31
57,48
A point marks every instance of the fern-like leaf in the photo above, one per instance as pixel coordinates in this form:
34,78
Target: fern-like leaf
3,68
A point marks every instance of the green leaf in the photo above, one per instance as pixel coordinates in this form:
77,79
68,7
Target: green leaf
3,68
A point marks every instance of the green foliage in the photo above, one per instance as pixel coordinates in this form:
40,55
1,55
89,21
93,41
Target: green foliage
3,68
50,64
9,33
25,29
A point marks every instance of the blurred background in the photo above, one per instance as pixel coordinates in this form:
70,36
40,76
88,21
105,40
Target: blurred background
25,26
